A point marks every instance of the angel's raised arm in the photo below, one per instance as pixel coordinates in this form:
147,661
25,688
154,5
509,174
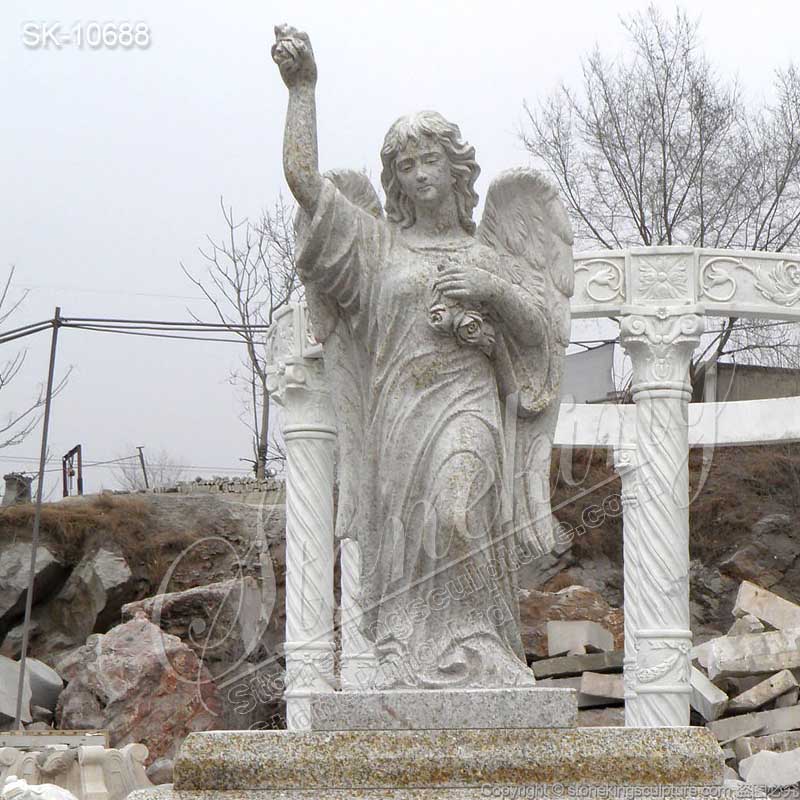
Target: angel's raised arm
295,59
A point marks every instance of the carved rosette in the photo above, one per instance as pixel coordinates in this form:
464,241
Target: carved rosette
358,660
660,347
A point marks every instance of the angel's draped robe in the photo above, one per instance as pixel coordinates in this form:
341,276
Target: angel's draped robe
429,507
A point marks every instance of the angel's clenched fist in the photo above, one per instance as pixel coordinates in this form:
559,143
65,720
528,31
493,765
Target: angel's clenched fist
295,59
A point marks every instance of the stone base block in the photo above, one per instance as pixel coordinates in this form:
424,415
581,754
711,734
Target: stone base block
378,765
452,709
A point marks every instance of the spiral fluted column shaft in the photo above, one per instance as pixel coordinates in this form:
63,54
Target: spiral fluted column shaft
296,382
660,347
625,463
358,660
309,569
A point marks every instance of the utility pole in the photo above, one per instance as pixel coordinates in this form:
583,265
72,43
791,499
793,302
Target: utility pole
37,520
144,469
68,470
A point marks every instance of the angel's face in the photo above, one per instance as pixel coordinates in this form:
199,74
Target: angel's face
423,170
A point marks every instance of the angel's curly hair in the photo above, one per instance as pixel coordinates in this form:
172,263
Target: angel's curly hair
464,168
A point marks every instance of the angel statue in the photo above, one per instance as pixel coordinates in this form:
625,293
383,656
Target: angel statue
444,347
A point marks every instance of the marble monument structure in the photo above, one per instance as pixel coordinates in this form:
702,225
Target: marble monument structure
444,345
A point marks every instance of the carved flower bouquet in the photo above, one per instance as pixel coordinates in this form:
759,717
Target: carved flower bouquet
470,326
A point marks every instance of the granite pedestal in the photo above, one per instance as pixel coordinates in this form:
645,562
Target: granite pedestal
451,709
377,765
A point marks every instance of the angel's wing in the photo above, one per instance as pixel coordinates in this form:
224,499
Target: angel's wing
343,359
525,218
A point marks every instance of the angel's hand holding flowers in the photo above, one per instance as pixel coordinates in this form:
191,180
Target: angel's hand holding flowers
473,285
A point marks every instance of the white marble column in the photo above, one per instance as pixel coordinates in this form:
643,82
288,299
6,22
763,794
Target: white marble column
660,343
297,383
625,463
358,662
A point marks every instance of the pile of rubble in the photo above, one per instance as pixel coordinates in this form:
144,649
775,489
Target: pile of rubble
746,687
224,484
587,656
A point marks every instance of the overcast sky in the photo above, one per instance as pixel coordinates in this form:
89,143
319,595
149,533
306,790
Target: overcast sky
113,162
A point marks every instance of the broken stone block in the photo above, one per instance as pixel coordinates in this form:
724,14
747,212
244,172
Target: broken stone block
732,728
606,685
766,606
46,684
601,717
566,635
754,652
9,682
763,692
777,742
584,700
15,564
764,723
771,769
790,698
565,666
746,624
709,701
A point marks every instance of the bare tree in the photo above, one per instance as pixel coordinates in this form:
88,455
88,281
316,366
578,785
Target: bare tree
658,149
16,425
250,275
163,470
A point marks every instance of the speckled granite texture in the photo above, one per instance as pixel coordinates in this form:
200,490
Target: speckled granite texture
446,709
272,763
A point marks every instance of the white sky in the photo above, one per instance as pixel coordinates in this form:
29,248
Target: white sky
113,162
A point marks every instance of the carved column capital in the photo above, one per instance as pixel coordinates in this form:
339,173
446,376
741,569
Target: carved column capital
660,344
295,372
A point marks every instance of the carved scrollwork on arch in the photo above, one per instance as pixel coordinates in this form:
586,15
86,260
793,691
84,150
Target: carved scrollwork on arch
781,284
713,277
606,281
777,283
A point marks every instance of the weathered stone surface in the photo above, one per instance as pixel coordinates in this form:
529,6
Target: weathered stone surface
757,652
565,636
763,692
584,700
9,682
777,742
161,771
601,717
444,709
607,685
766,606
771,769
788,699
564,666
46,683
15,562
746,624
89,601
140,684
708,700
731,728
762,722
228,626
572,603
280,760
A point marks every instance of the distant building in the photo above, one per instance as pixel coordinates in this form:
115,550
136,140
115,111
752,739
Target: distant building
589,376
731,382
